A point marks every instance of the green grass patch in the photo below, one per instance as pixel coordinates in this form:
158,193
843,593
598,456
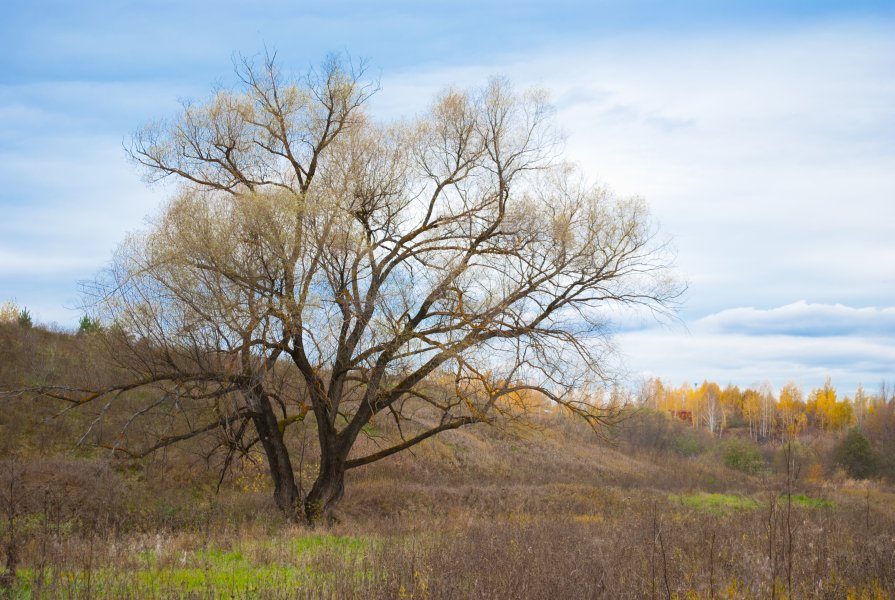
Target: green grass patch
228,577
219,572
339,544
233,578
722,503
808,502
716,503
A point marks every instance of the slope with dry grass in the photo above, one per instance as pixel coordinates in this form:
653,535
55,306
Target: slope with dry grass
541,508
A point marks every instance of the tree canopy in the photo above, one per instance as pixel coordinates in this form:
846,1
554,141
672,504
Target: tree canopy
315,261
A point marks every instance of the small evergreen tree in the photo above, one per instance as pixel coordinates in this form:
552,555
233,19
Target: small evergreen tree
855,454
25,318
88,325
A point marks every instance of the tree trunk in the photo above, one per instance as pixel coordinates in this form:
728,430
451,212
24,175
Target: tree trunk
8,576
285,490
326,492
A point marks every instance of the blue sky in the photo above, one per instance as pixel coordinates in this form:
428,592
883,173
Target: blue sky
761,133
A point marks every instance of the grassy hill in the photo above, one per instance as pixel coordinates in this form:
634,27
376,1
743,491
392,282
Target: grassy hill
541,508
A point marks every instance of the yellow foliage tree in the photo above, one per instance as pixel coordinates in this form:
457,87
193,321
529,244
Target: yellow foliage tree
752,410
9,312
732,400
827,411
791,409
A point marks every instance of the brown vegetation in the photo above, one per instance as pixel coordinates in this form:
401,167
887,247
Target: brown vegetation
538,509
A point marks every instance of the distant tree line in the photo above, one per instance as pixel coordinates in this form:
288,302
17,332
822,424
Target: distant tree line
763,412
864,422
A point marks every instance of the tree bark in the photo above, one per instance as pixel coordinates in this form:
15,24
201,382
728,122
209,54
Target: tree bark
285,490
8,576
328,489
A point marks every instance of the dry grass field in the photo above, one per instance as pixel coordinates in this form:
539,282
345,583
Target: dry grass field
542,508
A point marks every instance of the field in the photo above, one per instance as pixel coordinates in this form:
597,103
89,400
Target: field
540,508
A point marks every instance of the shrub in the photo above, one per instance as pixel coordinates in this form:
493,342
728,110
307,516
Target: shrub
855,454
803,458
647,429
655,430
744,456
688,445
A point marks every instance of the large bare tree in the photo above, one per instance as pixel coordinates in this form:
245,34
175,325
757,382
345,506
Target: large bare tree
314,261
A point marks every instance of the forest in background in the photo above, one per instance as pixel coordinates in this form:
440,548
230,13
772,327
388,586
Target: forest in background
768,414
863,423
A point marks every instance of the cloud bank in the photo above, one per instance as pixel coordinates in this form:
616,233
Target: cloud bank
803,319
802,342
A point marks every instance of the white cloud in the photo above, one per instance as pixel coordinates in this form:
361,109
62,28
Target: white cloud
17,262
767,155
802,342
803,319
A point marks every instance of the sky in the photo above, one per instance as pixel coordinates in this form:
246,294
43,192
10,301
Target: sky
762,135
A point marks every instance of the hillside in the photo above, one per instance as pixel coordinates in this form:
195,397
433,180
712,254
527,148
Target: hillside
539,508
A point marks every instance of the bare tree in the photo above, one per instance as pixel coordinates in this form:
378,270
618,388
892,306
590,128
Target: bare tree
316,262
